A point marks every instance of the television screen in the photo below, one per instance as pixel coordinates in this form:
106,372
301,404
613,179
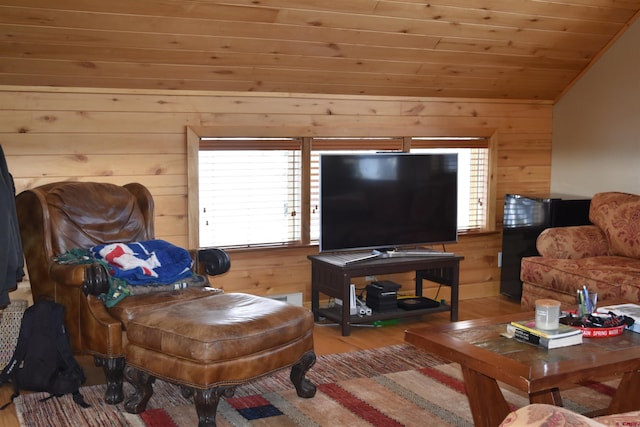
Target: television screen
387,201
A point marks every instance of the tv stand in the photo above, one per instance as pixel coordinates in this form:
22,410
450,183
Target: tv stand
331,275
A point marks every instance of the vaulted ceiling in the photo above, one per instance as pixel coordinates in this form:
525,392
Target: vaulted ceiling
519,49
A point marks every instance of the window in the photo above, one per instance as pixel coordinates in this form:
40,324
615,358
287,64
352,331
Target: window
249,195
321,146
264,191
473,190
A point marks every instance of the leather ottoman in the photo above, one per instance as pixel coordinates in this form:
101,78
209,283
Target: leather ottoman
210,345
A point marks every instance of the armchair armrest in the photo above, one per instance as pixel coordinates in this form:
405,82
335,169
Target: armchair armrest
92,278
212,261
575,242
68,274
92,328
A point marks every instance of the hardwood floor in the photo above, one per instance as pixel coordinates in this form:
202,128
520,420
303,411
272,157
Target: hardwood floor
328,339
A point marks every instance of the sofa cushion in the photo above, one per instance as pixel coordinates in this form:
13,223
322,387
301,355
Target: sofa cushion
572,242
613,278
131,306
618,215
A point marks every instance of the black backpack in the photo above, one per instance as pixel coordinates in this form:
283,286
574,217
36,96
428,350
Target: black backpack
43,360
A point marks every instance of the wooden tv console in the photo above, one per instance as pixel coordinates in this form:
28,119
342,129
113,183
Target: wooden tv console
332,276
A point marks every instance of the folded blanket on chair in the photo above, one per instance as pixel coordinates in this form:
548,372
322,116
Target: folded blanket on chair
141,263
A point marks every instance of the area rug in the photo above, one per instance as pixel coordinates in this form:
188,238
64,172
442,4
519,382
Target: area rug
391,386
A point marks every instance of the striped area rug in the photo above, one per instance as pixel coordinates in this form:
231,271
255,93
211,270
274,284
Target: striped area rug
392,386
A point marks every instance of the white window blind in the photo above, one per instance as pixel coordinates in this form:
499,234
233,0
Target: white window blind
249,197
473,175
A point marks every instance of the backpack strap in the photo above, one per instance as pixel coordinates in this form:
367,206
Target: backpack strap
15,394
77,397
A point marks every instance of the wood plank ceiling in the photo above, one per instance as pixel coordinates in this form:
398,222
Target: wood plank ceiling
518,49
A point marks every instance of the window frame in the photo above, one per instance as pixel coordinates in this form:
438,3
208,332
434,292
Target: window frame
195,134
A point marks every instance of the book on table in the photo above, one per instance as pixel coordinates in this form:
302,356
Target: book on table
562,330
548,343
629,310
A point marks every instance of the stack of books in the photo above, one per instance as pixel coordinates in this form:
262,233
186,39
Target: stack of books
526,331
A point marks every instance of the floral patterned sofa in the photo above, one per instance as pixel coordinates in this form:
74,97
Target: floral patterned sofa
604,256
541,415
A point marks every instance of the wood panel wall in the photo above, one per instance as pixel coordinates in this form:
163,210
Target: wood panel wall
120,136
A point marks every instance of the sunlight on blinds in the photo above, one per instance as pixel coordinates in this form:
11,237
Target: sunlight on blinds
249,197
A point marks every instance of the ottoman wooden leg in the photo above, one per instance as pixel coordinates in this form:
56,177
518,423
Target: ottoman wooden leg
143,389
304,387
113,372
207,403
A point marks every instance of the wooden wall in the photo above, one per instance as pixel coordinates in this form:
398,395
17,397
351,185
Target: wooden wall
120,136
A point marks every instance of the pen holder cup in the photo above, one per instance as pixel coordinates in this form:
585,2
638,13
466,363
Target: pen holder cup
587,306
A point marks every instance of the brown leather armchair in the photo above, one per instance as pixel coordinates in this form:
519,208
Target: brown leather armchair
58,217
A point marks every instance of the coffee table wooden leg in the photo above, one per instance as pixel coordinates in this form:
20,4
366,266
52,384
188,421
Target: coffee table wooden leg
626,397
488,406
550,397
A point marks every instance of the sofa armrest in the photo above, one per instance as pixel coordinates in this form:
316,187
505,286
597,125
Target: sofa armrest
574,242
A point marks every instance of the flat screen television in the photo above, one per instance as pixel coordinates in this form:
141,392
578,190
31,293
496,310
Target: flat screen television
387,201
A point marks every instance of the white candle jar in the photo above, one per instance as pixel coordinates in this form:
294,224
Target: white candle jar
547,314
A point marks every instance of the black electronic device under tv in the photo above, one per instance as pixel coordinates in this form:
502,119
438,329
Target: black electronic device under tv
387,201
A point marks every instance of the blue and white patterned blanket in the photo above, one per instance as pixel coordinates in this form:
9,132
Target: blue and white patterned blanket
141,263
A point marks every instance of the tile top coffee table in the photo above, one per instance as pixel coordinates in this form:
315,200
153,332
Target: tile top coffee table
486,358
